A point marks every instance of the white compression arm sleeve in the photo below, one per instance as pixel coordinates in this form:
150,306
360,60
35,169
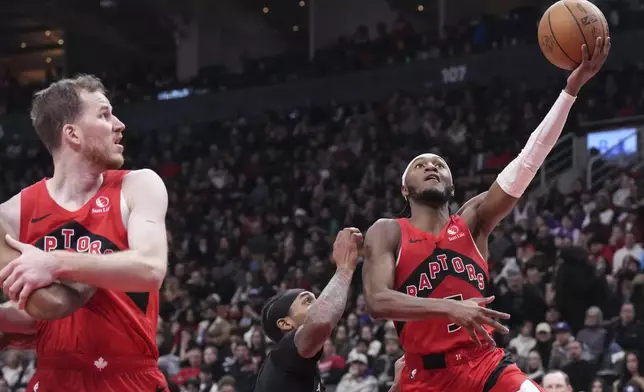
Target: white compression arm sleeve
516,177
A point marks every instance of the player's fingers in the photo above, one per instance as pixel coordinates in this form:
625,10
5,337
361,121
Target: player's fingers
357,237
17,245
585,54
486,334
599,48
607,47
9,281
495,324
6,272
24,295
599,53
475,338
14,290
496,314
484,300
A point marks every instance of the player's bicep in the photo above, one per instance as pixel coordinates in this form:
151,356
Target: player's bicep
148,203
472,203
491,209
378,270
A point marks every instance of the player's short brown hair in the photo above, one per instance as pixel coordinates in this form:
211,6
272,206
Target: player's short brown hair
60,104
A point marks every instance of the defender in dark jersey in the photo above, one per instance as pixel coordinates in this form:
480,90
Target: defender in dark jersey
300,324
93,224
428,272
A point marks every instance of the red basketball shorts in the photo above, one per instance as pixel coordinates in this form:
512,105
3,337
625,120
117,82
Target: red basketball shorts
474,370
72,372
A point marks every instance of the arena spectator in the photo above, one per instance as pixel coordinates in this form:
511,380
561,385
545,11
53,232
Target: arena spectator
557,381
357,380
580,371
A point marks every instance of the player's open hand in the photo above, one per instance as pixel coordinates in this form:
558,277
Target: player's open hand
32,270
473,317
345,248
589,66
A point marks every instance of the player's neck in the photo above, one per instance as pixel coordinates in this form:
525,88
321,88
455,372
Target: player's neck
74,181
429,219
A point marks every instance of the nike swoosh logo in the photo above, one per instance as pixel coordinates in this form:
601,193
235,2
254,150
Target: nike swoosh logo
36,220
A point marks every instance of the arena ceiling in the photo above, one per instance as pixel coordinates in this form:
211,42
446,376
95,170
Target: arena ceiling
35,31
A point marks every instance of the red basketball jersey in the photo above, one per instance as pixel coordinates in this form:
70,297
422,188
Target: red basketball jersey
449,266
111,323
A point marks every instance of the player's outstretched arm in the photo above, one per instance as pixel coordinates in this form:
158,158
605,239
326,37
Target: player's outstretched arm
515,178
140,269
47,303
383,302
327,310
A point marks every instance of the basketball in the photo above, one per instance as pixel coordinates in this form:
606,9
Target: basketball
565,27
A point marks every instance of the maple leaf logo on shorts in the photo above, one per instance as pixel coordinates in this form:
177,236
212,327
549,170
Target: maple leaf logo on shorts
100,363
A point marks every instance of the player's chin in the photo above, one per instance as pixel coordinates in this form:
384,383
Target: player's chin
434,186
115,161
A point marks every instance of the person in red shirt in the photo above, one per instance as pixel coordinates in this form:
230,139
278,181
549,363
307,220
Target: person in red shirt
99,227
193,368
332,366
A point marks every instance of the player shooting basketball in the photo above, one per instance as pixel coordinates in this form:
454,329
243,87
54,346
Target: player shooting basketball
429,272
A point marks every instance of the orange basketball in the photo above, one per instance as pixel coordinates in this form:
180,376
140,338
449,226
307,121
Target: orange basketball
566,26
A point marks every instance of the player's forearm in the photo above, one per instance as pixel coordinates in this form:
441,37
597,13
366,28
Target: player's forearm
14,320
127,271
54,302
324,314
392,305
331,303
516,177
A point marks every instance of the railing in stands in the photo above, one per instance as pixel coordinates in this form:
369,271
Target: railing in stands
560,159
597,173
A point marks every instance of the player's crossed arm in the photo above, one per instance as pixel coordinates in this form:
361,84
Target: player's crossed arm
140,269
48,303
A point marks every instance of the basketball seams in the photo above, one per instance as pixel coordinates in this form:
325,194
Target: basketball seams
581,31
554,37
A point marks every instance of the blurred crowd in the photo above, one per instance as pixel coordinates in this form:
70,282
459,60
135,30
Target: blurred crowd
256,202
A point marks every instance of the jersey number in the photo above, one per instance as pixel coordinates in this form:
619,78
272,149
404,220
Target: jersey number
451,328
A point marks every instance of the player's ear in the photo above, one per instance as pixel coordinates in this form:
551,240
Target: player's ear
404,191
71,134
285,324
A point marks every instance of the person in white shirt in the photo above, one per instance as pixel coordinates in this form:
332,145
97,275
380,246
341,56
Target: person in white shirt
630,248
524,342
